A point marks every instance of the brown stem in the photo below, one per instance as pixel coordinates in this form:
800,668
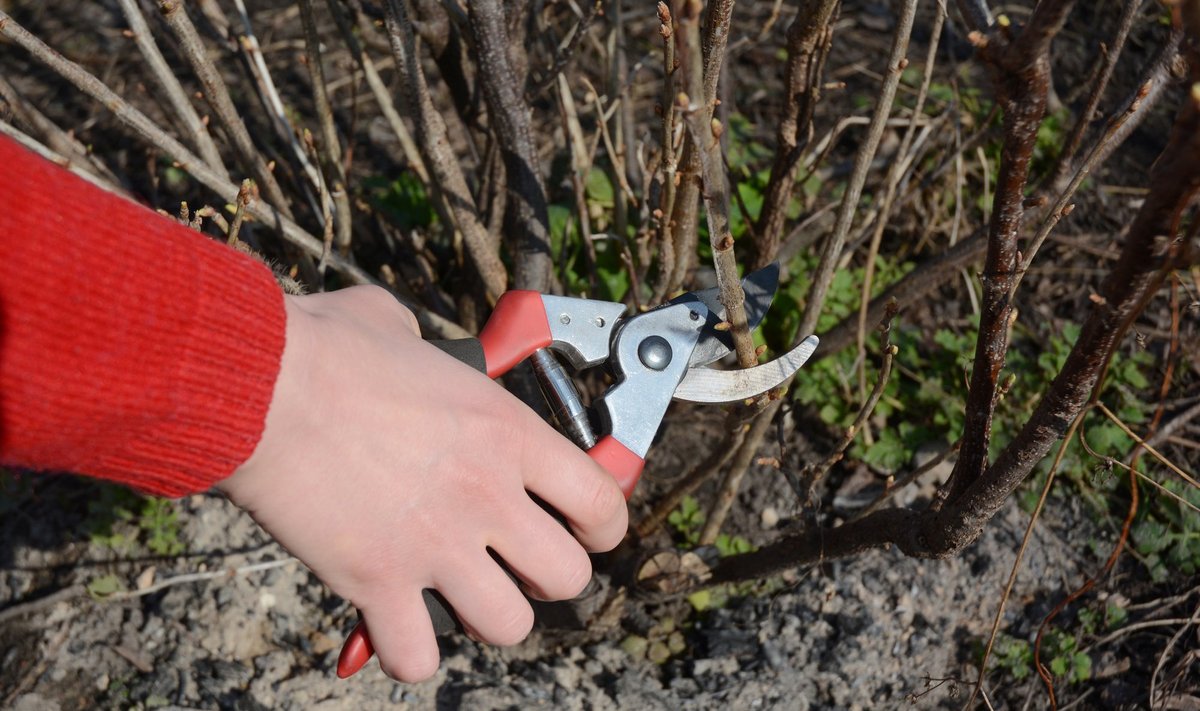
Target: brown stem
528,218
1021,76
176,95
439,157
1174,181
1111,53
668,161
832,250
330,148
802,86
217,95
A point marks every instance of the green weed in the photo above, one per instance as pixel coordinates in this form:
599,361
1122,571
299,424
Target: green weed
119,519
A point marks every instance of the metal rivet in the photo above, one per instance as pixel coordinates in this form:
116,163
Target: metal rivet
564,319
695,316
655,352
599,322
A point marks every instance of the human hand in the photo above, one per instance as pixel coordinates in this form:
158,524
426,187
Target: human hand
389,467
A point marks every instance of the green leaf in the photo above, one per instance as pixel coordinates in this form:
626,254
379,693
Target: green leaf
104,586
700,600
1058,666
599,188
1082,667
888,453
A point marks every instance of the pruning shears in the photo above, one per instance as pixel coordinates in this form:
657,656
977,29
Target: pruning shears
655,357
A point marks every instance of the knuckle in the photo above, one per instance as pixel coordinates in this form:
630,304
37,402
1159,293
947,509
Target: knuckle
514,625
410,671
576,579
606,502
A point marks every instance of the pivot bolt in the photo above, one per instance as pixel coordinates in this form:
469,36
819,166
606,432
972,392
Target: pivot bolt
655,352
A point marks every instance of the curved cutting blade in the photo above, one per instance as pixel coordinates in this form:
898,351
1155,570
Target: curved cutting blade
759,287
716,386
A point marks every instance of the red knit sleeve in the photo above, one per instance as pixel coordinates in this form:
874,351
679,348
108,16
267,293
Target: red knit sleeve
131,348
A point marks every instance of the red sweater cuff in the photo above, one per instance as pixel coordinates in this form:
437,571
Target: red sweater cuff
131,348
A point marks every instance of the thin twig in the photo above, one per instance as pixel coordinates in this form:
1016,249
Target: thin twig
668,160
1142,98
217,95
330,148
67,149
688,483
178,98
815,473
244,197
1162,658
908,478
1111,53
269,95
891,184
226,573
380,91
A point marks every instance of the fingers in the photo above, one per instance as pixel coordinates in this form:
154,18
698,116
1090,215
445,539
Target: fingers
572,484
403,638
546,557
488,602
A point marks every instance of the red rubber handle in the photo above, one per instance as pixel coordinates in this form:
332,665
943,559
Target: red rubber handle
356,652
624,466
516,328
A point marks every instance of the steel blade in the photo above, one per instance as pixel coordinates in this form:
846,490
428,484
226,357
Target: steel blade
716,386
759,287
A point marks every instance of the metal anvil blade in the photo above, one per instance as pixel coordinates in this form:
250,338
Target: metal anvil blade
717,386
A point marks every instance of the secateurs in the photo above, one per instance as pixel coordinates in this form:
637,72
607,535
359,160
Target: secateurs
654,357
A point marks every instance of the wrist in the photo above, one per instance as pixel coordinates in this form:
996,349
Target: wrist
244,483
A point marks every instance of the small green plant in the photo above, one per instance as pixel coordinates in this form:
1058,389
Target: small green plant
119,519
1166,535
663,641
159,524
687,520
1060,651
1014,656
104,586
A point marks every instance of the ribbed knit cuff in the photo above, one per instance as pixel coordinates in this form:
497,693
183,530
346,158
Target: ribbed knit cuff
131,348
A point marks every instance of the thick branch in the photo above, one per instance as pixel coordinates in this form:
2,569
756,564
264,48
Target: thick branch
528,217
1021,75
1137,274
880,529
437,152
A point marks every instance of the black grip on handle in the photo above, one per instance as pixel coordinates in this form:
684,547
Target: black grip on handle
440,612
466,350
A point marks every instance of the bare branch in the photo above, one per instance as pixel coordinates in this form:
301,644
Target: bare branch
177,97
1021,77
832,250
436,151
1174,181
330,148
217,95
528,215
805,37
